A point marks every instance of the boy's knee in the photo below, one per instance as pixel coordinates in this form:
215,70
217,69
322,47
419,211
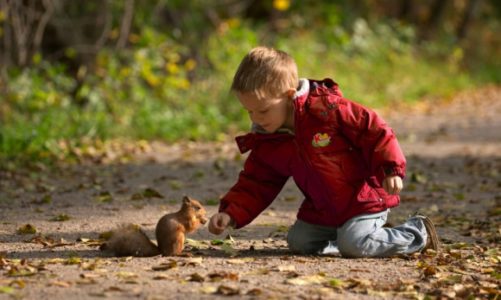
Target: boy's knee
353,247
295,243
300,243
351,251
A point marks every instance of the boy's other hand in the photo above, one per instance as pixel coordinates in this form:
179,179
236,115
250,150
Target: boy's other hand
393,185
219,222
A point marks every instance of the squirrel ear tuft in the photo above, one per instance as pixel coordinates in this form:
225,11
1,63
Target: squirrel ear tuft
186,199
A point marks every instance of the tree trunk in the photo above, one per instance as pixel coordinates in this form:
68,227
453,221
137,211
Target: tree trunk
468,15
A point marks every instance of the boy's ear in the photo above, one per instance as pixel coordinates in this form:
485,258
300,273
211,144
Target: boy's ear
290,93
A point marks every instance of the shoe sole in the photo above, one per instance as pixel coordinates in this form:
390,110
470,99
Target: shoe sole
432,234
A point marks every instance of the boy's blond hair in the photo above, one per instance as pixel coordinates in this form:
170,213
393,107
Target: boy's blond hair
265,72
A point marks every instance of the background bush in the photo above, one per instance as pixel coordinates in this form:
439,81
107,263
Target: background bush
101,70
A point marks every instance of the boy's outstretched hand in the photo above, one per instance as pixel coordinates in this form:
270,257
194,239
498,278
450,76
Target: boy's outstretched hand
219,222
393,185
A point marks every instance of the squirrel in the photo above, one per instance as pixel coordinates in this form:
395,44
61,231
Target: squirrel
130,240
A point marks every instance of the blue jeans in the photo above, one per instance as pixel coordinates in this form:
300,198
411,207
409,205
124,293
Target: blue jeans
361,236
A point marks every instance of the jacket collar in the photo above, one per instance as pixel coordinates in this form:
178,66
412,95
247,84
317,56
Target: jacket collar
302,92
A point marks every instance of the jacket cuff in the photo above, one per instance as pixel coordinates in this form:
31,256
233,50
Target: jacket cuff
394,171
236,215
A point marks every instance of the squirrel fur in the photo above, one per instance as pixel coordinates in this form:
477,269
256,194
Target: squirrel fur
131,240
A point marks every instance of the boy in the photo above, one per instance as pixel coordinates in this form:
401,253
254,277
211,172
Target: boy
342,156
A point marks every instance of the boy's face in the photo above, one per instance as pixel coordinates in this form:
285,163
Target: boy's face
269,113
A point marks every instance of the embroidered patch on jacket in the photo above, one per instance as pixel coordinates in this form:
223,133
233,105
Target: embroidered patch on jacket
321,140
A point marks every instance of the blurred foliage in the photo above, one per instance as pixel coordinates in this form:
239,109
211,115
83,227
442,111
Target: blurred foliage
160,69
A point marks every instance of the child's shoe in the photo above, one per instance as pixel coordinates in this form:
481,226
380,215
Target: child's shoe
432,242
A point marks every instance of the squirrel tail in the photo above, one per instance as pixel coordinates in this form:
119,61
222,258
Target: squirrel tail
130,240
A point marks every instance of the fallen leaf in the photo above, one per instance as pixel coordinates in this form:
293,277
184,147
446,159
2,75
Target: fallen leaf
227,290
59,283
26,229
6,290
196,278
114,289
193,262
175,184
306,280
60,218
165,266
104,197
335,283
45,200
208,289
216,242
73,261
18,282
126,275
254,292
151,193
218,276
90,275
430,271
21,271
259,271
161,277
196,244
137,196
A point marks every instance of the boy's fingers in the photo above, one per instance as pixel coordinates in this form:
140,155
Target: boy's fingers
393,186
385,186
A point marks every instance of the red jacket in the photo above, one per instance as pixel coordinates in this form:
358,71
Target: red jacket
338,156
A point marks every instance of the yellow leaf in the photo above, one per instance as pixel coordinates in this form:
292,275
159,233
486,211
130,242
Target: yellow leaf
281,5
126,275
6,290
60,283
190,64
195,244
306,280
208,289
73,261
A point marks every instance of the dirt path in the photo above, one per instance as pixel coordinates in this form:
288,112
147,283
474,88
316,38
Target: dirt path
454,156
